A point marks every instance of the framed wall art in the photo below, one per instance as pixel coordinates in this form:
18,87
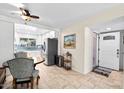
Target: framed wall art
70,41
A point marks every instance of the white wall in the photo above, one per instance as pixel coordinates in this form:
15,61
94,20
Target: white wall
77,53
88,50
82,55
6,41
50,34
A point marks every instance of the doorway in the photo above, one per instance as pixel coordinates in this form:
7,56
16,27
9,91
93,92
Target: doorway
109,50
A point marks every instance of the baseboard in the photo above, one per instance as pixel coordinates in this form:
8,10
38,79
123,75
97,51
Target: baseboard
121,69
76,70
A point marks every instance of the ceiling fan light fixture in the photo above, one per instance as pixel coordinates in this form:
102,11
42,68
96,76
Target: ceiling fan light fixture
26,18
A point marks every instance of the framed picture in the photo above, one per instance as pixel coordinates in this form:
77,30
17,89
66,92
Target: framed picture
70,41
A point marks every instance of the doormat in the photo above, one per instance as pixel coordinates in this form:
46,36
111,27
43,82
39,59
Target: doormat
102,71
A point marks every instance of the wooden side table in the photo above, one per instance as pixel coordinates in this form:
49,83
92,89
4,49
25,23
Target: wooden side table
67,64
68,61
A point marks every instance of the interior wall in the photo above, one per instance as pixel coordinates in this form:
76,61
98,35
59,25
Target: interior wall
59,43
77,53
6,41
89,52
82,55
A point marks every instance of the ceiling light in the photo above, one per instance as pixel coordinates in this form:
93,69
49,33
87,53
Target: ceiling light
108,29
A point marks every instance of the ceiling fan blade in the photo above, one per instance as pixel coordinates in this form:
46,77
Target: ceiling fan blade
25,12
16,12
33,16
18,5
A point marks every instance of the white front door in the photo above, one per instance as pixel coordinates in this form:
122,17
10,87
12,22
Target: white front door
109,45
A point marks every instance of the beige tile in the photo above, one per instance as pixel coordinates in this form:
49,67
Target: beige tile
53,77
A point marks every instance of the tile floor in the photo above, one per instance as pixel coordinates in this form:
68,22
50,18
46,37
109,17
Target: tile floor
53,77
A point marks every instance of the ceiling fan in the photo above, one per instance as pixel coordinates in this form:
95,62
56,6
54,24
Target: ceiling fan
24,13
27,16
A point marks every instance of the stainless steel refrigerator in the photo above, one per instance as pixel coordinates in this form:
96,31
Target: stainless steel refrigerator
50,48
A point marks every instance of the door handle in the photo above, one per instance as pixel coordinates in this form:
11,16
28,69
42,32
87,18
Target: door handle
118,53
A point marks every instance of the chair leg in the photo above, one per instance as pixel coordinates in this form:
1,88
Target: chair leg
32,83
27,85
21,85
38,79
14,84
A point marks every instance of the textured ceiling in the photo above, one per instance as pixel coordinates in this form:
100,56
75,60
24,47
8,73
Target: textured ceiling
58,15
111,25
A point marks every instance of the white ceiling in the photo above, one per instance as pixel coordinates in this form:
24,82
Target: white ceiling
111,25
26,29
58,15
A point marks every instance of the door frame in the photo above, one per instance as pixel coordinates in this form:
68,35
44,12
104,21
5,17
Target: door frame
98,49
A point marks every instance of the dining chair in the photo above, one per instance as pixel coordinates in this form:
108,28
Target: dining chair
22,70
21,55
27,55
